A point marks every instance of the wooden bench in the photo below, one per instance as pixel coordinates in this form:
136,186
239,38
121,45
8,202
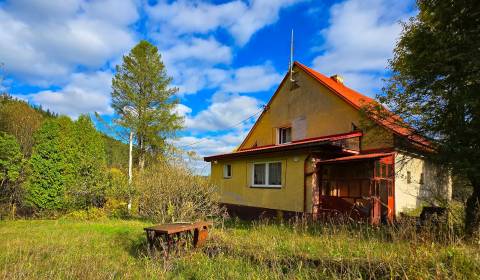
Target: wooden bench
171,233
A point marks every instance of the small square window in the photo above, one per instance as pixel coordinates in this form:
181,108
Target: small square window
227,171
284,135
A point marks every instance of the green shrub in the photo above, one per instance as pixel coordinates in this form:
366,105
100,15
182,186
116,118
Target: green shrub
116,208
91,214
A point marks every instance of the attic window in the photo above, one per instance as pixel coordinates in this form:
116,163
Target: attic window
284,135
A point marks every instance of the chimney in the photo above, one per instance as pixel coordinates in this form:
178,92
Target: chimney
337,78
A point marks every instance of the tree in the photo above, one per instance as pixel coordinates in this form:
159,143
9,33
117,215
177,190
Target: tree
143,100
50,170
89,162
20,120
435,87
11,165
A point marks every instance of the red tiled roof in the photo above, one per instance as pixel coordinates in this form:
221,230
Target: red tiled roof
293,145
358,101
356,157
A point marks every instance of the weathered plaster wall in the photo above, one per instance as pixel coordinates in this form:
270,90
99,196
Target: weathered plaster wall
436,186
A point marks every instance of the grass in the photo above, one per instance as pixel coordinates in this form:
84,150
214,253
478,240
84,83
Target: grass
116,249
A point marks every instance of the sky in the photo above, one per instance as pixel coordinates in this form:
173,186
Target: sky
226,57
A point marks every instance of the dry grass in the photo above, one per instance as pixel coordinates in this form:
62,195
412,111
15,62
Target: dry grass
116,249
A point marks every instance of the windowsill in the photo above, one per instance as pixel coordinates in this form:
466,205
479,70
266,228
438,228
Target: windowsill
285,143
227,177
266,186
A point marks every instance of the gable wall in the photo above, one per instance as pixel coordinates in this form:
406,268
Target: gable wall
312,111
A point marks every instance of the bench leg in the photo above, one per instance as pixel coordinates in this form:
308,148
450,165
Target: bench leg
200,236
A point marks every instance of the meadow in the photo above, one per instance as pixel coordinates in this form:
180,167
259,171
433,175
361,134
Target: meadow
117,249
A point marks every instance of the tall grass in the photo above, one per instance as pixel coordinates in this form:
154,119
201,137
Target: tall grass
117,249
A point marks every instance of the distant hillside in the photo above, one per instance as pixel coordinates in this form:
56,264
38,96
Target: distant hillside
22,119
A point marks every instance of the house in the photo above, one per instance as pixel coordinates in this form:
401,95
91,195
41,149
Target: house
311,152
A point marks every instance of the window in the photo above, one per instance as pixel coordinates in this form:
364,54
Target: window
354,127
421,179
227,171
267,174
409,177
284,135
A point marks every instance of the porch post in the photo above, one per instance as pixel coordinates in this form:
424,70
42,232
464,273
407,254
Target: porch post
315,192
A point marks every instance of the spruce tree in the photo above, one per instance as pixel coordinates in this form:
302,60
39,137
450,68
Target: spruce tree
50,171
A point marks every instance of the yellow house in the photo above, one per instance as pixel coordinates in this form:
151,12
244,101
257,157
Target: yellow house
310,152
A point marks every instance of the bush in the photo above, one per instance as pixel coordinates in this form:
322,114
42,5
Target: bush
116,208
171,193
90,214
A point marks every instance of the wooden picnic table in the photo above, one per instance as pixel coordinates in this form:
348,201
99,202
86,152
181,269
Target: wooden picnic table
170,233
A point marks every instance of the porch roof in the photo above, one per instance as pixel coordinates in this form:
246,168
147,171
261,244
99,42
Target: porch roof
356,157
298,144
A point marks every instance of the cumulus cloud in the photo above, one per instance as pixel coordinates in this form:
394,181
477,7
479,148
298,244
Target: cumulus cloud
241,19
224,112
198,50
248,79
251,79
43,42
86,93
360,39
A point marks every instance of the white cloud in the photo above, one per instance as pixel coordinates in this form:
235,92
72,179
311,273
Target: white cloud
252,79
239,18
43,42
224,113
360,39
198,50
192,78
86,93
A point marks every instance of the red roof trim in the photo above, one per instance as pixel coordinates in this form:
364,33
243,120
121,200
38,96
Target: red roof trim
356,157
294,144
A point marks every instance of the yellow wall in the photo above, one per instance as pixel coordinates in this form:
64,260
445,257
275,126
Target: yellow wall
324,113
238,190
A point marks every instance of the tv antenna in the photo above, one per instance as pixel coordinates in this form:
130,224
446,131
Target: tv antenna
291,59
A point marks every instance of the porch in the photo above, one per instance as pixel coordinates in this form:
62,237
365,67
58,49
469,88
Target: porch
360,187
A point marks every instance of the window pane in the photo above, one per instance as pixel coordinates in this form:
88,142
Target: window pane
284,135
275,173
227,171
288,135
259,174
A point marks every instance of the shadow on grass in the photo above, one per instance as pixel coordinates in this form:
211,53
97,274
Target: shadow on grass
136,245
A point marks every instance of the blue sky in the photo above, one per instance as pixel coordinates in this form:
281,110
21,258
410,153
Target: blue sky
226,57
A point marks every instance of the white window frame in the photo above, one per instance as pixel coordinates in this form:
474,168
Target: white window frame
225,171
279,134
267,179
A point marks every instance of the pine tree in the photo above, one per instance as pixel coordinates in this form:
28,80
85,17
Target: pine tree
144,100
